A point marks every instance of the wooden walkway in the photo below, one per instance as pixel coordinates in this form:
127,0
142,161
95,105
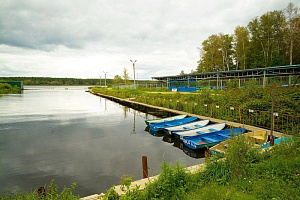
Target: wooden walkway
214,120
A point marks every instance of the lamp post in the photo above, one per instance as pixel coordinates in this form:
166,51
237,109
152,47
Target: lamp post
133,63
100,81
105,77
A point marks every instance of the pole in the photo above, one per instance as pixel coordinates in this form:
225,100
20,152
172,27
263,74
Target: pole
105,78
145,167
272,121
100,82
133,63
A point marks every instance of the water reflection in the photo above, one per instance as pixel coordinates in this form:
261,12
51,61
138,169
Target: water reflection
73,136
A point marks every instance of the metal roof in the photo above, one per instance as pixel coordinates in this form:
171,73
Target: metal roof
247,73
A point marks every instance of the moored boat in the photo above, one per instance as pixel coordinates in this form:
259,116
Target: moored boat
255,139
199,131
185,127
210,139
176,122
152,121
276,141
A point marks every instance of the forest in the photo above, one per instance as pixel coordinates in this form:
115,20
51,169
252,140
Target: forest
272,39
56,81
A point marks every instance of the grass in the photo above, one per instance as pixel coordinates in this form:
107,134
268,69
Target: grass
52,192
246,173
232,104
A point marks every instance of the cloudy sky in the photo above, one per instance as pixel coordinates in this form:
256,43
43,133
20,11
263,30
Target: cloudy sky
81,39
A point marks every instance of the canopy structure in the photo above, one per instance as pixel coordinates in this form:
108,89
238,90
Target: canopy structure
186,79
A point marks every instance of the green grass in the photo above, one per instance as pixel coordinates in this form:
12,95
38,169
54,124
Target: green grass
52,193
218,104
246,173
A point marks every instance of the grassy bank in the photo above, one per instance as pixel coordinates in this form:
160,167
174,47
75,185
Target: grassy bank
8,89
250,106
246,173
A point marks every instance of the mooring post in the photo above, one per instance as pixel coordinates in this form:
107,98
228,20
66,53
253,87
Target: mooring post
145,167
272,121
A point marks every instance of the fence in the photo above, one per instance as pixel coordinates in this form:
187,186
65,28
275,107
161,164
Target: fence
284,123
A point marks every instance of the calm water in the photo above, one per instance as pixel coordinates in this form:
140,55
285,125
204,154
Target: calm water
72,136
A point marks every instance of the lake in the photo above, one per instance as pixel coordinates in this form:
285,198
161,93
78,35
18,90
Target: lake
69,135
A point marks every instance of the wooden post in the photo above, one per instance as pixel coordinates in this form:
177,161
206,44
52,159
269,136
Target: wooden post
272,120
145,167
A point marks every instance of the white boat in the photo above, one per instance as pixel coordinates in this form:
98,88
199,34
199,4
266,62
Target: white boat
152,121
199,131
188,126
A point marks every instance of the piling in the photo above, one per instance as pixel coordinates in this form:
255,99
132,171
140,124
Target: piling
145,167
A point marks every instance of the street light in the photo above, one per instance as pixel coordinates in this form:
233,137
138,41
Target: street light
100,81
133,63
105,77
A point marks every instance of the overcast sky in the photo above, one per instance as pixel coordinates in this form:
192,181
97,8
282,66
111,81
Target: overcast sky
81,39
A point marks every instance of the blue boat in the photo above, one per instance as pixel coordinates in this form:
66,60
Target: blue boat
176,122
211,139
185,127
276,141
206,129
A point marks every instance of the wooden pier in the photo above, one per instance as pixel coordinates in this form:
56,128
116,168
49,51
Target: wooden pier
129,102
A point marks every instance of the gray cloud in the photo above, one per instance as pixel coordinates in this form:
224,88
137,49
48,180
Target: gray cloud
160,34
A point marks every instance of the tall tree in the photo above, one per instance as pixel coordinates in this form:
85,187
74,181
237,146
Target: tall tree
241,47
226,49
117,79
125,76
292,15
210,55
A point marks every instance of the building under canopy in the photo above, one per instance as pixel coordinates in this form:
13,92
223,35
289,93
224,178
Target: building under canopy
285,75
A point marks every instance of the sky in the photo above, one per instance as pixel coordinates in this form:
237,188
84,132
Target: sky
84,39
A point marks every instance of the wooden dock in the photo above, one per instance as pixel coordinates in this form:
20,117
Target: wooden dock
132,103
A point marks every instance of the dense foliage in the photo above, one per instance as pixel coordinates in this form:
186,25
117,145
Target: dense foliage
55,81
269,40
246,173
8,89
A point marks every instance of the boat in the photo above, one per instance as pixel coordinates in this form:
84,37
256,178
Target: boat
276,141
175,122
206,129
211,139
189,126
255,139
152,121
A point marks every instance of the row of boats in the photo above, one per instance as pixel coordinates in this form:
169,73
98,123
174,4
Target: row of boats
197,134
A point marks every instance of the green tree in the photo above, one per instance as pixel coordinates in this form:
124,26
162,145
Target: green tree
211,58
292,15
126,76
241,47
117,79
226,50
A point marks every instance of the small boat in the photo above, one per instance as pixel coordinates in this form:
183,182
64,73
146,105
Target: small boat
255,139
211,139
276,141
206,129
185,127
175,122
152,121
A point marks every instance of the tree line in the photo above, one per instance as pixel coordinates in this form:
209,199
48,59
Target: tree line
272,39
55,81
